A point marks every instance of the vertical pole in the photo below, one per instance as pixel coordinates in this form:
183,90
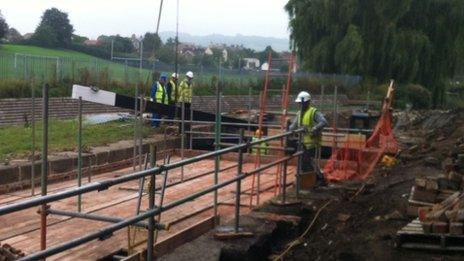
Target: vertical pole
284,183
89,170
24,68
43,183
249,106
300,157
33,139
191,119
217,139
335,107
125,72
182,143
151,205
140,121
112,46
134,152
79,153
238,191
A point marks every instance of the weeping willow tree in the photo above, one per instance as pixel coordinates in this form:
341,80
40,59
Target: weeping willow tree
412,41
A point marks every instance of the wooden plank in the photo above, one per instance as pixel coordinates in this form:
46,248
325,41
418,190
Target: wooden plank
184,236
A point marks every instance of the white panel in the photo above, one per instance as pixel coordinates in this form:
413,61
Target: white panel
87,94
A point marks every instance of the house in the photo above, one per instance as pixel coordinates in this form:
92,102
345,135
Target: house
92,42
211,48
188,55
28,36
184,47
136,41
251,63
209,51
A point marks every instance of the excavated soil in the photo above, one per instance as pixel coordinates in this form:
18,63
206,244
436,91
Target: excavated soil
378,211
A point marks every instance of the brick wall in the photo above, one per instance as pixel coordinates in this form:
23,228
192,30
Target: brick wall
16,111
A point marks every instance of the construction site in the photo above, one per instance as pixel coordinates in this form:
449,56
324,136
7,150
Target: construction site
281,173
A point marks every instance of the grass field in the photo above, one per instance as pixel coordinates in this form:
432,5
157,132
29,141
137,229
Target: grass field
58,64
34,50
16,140
65,67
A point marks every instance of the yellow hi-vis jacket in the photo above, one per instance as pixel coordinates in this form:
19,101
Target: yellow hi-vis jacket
308,121
185,90
262,147
161,95
174,91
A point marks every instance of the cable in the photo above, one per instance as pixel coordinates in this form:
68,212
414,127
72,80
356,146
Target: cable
300,238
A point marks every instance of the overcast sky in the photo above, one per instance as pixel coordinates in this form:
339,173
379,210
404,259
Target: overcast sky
198,17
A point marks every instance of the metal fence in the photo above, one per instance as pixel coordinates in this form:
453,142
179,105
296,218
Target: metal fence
58,69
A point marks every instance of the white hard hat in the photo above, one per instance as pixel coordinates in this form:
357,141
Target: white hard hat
189,74
175,75
303,97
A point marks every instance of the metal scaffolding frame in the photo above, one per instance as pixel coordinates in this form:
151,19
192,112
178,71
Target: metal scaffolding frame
138,220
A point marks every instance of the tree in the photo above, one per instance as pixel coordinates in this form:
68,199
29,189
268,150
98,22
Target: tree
412,41
3,26
79,39
263,56
57,25
13,36
151,43
45,36
120,44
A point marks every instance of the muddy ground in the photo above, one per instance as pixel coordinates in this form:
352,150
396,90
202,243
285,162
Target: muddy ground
379,211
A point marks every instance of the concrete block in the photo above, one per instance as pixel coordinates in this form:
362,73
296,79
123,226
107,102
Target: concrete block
440,227
120,154
455,228
427,227
26,170
431,184
101,158
424,195
421,182
62,165
8,174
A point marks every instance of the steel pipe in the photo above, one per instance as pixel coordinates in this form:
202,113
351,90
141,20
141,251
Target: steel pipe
103,185
105,232
90,216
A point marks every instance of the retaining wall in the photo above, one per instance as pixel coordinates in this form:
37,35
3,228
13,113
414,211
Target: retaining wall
64,165
19,111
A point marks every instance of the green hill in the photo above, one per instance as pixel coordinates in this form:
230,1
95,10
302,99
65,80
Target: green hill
39,51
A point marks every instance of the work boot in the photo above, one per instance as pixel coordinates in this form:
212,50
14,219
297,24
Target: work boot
320,179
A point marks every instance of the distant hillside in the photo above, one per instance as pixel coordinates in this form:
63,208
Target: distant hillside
254,42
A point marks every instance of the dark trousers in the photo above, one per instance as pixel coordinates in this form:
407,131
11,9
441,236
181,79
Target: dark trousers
308,162
186,117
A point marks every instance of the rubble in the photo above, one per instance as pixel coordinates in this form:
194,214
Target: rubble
8,253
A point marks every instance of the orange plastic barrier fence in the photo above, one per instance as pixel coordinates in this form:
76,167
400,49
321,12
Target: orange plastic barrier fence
350,162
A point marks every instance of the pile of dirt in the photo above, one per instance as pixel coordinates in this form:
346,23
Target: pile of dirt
361,224
8,253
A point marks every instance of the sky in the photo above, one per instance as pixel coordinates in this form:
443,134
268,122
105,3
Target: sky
92,18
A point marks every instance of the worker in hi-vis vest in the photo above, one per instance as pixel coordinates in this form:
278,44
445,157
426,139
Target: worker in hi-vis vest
185,97
158,95
172,94
313,121
263,147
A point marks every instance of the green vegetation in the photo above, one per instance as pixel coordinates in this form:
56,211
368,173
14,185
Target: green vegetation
411,41
54,30
11,49
16,140
3,26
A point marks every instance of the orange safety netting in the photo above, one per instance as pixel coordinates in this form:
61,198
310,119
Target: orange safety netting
355,158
